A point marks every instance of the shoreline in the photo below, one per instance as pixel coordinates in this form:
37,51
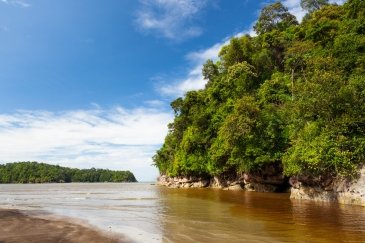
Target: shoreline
28,226
350,191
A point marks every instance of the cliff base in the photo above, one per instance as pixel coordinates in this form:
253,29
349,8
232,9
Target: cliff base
344,191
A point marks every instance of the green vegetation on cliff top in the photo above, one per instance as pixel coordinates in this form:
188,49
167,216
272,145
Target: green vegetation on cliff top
33,172
293,97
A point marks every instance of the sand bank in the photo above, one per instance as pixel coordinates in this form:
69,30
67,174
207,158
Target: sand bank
23,226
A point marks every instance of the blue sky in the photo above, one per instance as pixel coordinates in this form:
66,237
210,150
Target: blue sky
87,83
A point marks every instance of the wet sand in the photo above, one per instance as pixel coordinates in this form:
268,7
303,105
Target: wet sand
23,226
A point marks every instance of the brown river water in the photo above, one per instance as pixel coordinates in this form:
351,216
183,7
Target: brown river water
149,213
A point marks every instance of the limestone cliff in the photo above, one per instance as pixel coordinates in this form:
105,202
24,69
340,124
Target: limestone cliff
270,179
344,191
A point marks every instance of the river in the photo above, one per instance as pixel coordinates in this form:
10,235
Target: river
149,213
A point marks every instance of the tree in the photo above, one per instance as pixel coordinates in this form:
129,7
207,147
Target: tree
274,16
210,70
232,53
312,5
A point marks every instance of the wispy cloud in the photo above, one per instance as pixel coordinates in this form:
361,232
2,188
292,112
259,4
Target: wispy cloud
117,138
297,11
171,19
193,79
16,3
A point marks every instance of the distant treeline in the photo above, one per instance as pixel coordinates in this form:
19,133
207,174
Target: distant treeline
34,172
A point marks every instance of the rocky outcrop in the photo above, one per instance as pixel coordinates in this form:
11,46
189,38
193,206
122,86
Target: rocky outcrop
342,190
227,182
269,179
183,182
323,188
198,182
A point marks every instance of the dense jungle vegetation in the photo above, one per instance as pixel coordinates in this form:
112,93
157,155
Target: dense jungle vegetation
33,172
293,97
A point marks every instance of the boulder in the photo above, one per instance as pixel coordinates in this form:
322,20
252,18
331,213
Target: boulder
236,187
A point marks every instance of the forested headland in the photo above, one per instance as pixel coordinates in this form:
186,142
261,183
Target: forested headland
33,172
292,98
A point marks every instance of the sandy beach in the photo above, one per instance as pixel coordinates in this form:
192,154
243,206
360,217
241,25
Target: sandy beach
23,226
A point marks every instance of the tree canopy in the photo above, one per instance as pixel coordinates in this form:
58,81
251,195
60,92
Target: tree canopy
274,16
293,96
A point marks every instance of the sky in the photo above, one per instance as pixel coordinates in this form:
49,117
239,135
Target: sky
88,83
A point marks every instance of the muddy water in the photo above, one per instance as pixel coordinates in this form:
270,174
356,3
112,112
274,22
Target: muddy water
218,216
148,213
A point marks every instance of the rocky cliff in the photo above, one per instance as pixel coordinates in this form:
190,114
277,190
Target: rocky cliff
269,179
344,191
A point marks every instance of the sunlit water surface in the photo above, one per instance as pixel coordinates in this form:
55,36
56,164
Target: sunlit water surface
148,213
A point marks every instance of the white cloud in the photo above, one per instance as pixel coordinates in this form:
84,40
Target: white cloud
339,2
203,55
16,3
117,138
297,11
155,103
193,79
172,19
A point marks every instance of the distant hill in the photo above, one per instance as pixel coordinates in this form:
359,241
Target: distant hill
34,172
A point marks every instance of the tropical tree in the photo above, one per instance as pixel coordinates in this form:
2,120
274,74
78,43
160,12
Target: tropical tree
274,16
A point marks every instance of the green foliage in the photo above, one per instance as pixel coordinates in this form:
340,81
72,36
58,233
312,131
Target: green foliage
274,16
33,172
210,70
327,150
239,50
355,8
292,97
323,25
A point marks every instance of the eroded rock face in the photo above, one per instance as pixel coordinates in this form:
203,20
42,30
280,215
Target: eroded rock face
183,182
324,188
227,182
197,182
269,179
259,187
344,191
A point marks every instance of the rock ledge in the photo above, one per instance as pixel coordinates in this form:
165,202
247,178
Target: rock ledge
344,191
